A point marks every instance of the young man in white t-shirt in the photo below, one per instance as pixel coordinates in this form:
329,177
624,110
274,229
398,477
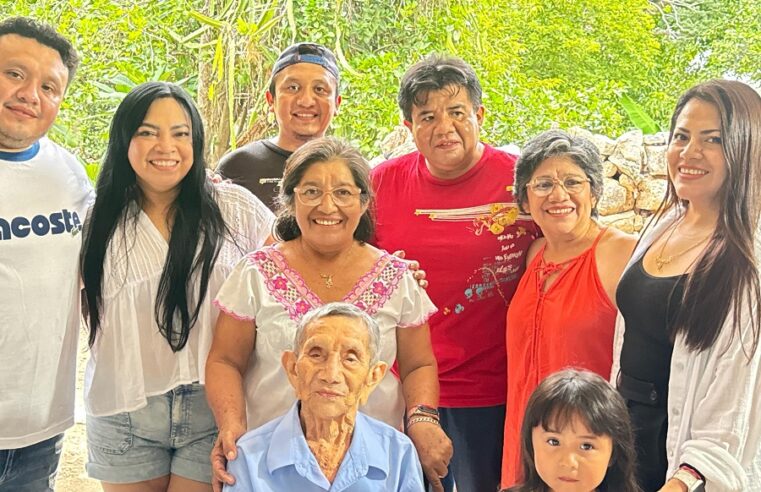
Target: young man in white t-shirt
44,195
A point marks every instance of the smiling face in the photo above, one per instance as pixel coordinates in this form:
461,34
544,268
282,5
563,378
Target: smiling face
695,157
327,227
305,101
561,213
572,459
332,373
33,80
445,130
161,150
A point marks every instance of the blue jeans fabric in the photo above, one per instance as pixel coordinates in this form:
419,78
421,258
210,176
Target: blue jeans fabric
32,468
477,435
172,434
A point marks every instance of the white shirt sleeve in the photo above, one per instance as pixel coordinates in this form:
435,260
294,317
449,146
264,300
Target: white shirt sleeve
417,307
719,426
239,293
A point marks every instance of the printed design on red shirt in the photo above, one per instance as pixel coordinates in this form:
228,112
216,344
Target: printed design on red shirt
493,217
288,287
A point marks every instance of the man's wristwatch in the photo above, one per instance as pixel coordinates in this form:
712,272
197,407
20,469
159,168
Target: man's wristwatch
693,483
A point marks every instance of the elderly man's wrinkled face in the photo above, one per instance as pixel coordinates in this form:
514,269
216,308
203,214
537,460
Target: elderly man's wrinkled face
332,374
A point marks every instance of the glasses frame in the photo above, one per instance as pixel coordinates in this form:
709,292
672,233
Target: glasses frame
555,182
317,201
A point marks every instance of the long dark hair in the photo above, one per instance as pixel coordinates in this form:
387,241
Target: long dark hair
196,217
554,404
727,272
323,150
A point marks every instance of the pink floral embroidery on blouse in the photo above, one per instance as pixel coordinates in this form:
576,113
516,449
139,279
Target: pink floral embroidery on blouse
379,288
280,282
302,307
287,286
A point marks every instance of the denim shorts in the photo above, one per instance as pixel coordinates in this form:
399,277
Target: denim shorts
172,434
32,468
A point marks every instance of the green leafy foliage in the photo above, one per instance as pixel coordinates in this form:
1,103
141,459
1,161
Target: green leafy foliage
606,65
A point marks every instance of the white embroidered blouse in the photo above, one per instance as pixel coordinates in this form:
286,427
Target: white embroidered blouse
265,289
131,360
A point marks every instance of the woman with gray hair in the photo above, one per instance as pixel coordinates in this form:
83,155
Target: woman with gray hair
564,309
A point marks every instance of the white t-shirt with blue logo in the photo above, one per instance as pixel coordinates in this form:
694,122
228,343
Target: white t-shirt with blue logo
44,196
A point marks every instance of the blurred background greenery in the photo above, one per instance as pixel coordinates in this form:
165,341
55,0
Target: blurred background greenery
606,65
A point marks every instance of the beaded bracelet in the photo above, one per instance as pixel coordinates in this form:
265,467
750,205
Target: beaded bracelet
421,418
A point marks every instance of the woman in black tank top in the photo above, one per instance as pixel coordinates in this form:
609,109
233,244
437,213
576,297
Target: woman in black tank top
689,364
649,306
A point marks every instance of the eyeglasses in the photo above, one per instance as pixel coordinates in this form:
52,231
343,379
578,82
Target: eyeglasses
342,196
544,186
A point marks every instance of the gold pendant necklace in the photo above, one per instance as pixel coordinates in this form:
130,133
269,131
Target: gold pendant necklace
661,260
328,279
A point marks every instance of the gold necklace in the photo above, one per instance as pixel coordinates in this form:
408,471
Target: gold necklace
327,278
661,261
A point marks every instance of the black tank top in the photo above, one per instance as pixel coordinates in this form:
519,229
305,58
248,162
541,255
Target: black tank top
649,306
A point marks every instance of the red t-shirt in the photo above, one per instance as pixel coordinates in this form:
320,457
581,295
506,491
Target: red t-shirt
468,236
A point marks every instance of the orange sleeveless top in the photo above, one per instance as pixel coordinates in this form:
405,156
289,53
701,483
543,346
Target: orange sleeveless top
570,324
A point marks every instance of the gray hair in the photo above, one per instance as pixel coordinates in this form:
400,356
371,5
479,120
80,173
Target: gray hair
557,143
348,311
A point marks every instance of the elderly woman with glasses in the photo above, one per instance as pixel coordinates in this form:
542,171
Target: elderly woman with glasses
324,224
564,310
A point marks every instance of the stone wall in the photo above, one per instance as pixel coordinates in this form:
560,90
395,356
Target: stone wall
635,176
634,166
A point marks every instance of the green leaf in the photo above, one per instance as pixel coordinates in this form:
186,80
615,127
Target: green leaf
637,115
205,19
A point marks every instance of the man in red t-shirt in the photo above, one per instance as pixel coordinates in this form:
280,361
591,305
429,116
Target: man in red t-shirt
450,206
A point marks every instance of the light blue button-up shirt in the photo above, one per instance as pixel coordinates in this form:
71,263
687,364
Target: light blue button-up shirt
276,458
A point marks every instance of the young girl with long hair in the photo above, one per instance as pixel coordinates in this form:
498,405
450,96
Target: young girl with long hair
159,241
687,335
576,437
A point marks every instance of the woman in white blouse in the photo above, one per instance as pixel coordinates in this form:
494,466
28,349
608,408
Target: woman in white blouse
158,244
687,338
324,222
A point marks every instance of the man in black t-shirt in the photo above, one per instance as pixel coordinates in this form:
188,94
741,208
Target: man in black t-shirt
303,95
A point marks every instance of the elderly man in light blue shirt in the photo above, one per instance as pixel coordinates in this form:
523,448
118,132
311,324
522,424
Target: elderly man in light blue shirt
324,443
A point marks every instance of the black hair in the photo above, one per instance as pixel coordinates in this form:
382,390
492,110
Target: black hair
557,143
323,150
45,35
570,394
196,218
434,73
727,272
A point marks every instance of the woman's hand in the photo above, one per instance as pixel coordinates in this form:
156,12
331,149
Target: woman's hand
420,383
674,485
230,351
224,450
216,178
434,450
414,267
